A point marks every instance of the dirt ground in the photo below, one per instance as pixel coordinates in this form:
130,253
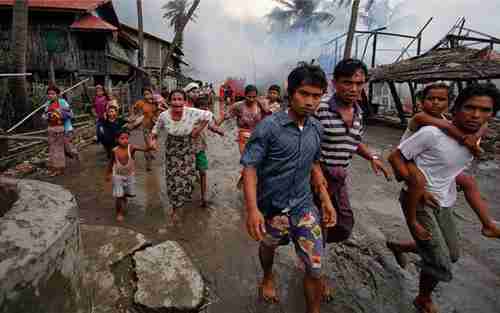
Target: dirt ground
216,238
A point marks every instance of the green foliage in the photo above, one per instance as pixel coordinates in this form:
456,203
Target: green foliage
176,12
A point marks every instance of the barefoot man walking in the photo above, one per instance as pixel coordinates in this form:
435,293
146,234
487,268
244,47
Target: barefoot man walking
441,159
278,160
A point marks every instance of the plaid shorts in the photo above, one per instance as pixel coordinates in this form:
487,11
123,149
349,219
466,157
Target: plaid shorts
303,228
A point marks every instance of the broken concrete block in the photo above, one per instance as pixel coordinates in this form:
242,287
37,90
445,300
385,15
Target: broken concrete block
167,278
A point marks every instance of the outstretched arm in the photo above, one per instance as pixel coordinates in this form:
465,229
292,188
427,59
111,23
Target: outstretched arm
216,129
197,130
376,163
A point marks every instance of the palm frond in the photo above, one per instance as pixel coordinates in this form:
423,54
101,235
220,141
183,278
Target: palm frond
323,17
288,4
369,5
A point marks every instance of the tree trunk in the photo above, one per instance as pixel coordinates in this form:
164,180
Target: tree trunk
140,29
19,45
352,29
178,38
141,79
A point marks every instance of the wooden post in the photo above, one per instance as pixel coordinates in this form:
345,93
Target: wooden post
4,144
419,45
413,96
397,102
336,53
352,29
370,94
356,49
374,51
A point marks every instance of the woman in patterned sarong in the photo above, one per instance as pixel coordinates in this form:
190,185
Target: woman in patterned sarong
178,124
58,114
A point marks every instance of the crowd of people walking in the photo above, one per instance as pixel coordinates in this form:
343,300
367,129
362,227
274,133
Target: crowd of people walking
296,158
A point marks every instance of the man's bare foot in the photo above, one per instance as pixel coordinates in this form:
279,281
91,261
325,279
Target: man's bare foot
492,230
268,291
400,256
424,305
326,290
120,217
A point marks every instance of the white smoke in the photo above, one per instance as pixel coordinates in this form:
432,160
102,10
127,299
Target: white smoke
231,37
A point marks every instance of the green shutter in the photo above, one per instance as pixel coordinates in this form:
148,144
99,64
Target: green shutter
55,41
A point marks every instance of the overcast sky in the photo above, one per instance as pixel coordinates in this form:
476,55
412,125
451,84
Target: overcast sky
230,36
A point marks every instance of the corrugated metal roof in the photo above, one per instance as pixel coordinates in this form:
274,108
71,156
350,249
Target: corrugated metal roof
92,22
83,5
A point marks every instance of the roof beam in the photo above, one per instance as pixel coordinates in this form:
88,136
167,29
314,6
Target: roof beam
476,39
387,34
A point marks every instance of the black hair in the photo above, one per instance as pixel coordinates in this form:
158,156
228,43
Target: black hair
201,102
121,132
165,94
250,88
430,87
478,90
182,92
147,89
54,88
349,67
275,88
306,74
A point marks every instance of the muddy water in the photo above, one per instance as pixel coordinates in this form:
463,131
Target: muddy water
216,239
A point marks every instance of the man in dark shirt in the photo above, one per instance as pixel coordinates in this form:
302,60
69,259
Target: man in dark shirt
278,160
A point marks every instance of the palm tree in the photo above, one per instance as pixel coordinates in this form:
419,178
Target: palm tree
298,15
179,16
19,46
176,13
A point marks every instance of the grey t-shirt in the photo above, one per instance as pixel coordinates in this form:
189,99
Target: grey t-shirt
440,158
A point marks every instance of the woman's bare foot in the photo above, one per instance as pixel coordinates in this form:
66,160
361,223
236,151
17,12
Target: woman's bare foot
326,290
492,230
174,218
398,254
424,305
268,291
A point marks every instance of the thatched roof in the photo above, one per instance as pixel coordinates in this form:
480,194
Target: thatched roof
442,64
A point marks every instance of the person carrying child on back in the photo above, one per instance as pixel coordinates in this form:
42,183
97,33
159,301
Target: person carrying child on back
431,162
435,109
121,171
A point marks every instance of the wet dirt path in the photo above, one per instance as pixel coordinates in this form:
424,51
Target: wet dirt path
216,239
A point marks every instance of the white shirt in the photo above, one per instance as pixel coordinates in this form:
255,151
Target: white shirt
440,158
185,125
